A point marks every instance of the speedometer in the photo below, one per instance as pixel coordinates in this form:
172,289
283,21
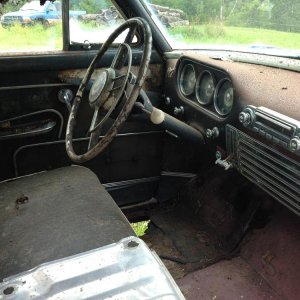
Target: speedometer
205,87
223,97
187,80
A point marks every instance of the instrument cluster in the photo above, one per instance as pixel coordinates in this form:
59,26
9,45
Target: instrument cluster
210,88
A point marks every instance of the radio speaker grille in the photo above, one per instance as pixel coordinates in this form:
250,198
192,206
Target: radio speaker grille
275,173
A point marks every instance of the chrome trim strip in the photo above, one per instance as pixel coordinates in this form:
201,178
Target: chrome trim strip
178,174
33,86
122,184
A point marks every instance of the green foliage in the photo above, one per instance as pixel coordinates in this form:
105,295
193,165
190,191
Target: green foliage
248,14
33,38
140,228
197,11
281,15
215,30
90,6
11,6
199,34
285,15
38,38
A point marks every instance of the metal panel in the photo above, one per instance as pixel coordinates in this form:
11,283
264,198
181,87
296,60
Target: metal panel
274,172
124,270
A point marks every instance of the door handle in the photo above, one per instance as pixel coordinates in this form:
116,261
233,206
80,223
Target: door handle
25,130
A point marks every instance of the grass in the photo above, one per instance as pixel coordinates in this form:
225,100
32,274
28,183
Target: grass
39,38
140,228
226,35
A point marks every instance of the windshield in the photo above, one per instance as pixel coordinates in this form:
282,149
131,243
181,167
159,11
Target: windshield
255,26
34,5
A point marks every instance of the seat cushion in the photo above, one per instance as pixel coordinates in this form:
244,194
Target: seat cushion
55,214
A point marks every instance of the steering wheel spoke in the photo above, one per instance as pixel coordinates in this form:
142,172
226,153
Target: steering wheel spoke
131,33
95,120
123,54
94,139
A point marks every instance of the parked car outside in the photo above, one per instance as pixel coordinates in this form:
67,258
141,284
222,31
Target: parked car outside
32,12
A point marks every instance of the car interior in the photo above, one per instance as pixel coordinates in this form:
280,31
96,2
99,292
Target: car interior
203,148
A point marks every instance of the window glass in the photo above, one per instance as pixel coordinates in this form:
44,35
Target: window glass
261,26
93,21
30,27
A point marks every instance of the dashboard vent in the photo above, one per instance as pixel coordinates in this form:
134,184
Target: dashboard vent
274,172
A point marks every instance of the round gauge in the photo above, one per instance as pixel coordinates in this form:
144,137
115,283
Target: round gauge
223,97
205,87
187,80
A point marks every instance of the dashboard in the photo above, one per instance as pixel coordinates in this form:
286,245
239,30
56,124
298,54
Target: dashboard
249,115
210,88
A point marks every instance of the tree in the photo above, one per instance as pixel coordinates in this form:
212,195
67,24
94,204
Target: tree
90,6
248,14
285,15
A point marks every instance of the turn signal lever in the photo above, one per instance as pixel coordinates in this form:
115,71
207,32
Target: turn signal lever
172,125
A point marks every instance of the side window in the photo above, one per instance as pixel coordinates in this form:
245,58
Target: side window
26,26
30,27
92,21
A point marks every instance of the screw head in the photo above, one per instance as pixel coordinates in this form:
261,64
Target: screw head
295,144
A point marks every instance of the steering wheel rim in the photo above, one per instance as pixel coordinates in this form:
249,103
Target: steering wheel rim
96,149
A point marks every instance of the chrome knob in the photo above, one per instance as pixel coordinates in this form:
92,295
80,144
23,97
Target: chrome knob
212,133
168,101
295,144
245,118
178,111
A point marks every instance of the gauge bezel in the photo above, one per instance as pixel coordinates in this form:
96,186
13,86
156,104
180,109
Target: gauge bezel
200,77
219,85
183,70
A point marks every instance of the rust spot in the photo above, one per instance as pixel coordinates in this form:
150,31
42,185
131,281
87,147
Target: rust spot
132,244
8,290
21,200
268,257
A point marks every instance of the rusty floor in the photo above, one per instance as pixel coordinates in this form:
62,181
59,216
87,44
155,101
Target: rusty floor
183,243
226,280
267,268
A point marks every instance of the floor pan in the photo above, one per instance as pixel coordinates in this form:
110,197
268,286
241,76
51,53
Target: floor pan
266,267
226,280
183,243
197,261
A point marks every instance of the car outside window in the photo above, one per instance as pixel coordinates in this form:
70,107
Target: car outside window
30,27
255,26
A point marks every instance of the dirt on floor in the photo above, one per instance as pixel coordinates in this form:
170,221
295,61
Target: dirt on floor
266,267
183,243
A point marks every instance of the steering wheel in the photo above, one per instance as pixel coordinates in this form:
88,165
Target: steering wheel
109,88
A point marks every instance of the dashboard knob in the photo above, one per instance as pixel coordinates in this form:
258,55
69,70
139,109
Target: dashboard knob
295,144
245,118
168,101
178,111
212,133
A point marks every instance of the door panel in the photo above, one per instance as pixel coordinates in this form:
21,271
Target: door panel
30,86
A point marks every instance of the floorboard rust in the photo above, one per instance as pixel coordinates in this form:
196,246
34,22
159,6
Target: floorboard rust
226,280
